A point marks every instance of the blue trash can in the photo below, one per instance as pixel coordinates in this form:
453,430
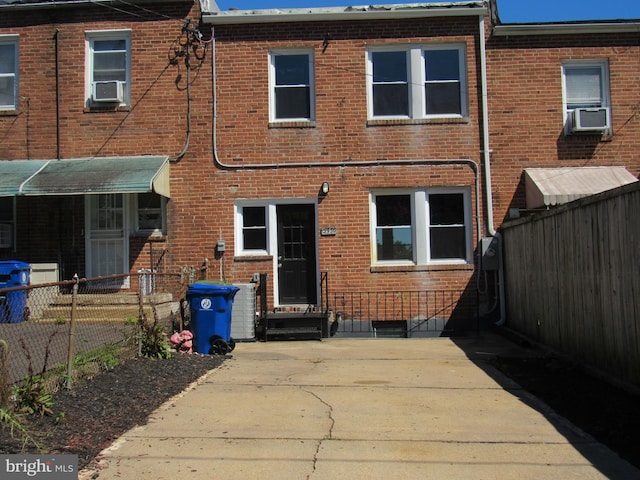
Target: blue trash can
13,305
210,304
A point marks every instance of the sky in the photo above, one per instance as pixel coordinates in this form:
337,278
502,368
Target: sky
511,11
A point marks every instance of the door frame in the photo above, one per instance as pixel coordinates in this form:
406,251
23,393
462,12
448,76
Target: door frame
311,246
273,243
272,237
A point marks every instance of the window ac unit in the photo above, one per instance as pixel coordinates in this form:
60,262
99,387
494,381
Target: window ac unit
591,120
108,92
6,235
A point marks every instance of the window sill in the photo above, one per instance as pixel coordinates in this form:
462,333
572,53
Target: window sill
588,137
299,124
417,121
9,113
106,108
253,258
466,267
151,236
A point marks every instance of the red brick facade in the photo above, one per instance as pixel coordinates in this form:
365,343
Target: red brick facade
236,157
526,109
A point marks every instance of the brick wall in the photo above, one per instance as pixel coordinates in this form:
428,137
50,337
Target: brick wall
526,112
52,228
340,134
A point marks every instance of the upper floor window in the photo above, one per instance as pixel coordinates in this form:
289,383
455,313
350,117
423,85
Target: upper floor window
586,96
8,72
423,226
417,81
291,86
108,68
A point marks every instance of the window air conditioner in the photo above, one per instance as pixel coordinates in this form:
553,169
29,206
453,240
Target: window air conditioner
591,120
6,235
111,91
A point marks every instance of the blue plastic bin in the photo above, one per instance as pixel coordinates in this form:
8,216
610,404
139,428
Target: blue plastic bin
13,305
210,304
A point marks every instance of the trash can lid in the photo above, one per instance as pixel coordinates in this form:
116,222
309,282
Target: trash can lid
211,287
8,266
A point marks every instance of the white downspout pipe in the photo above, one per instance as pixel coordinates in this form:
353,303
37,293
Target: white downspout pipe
487,172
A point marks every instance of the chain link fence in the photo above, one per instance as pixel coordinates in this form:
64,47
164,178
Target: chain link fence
68,330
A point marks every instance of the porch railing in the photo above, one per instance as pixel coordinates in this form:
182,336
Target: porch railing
408,313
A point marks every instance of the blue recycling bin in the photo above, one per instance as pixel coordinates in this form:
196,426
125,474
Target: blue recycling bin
13,305
210,304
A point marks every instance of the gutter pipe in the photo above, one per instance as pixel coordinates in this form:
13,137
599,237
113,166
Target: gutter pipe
487,173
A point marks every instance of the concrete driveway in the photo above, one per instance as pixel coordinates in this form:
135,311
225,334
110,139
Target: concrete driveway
359,408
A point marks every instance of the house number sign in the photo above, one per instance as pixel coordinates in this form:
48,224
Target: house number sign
328,231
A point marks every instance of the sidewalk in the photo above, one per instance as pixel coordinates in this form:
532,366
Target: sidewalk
359,408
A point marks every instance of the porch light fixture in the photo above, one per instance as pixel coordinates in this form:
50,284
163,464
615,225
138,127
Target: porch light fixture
324,188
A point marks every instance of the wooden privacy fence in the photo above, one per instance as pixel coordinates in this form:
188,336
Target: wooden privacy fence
572,280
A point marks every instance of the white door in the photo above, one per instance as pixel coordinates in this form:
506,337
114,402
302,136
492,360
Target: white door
107,246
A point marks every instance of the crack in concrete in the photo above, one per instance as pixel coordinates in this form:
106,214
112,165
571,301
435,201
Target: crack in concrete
329,436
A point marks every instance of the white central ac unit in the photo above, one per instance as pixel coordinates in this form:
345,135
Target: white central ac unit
6,235
591,120
108,92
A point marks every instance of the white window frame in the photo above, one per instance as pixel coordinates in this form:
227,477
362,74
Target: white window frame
97,35
273,54
421,225
416,76
605,99
136,216
239,228
14,41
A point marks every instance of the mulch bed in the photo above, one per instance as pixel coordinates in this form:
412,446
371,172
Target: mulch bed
100,409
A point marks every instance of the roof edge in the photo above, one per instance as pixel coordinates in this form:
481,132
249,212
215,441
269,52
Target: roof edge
609,26
371,12
44,5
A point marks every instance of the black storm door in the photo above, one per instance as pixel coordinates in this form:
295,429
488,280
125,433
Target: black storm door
296,254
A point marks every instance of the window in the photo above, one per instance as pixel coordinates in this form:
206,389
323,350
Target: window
291,86
447,236
6,221
254,228
108,67
252,222
421,227
8,72
417,82
150,213
394,232
585,86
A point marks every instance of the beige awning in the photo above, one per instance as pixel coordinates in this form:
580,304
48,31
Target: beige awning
555,186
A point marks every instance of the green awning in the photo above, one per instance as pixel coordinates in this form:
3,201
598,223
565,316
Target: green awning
81,176
13,173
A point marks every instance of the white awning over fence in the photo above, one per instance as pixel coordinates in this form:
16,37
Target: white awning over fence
555,186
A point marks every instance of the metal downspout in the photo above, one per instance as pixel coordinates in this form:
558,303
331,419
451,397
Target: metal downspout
57,60
487,172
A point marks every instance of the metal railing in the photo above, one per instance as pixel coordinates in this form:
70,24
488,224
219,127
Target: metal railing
401,313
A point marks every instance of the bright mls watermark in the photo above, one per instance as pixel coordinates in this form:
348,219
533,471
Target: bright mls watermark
50,467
